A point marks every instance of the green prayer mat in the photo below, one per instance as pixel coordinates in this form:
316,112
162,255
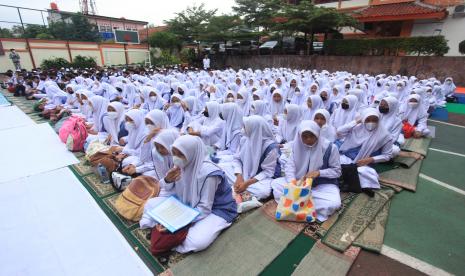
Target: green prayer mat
404,178
417,145
456,108
346,199
323,260
373,236
246,248
355,219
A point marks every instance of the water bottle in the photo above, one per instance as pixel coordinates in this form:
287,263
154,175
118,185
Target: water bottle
102,172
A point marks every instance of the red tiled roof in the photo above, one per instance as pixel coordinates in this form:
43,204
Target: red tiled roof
397,10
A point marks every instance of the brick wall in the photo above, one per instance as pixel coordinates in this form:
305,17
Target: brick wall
422,67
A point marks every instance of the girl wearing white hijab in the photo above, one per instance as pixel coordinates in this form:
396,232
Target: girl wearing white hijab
298,97
176,111
156,120
313,103
210,126
366,142
345,113
113,121
131,96
137,132
277,104
288,126
311,156
255,162
414,113
327,131
448,87
202,185
191,113
231,136
55,97
243,100
98,105
162,160
389,108
152,99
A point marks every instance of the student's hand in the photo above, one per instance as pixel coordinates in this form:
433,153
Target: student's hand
120,157
160,228
417,134
173,174
275,121
93,132
313,174
184,106
358,121
166,106
365,161
121,142
130,170
152,134
239,185
108,140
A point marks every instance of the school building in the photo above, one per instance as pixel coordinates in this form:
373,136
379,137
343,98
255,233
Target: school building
405,18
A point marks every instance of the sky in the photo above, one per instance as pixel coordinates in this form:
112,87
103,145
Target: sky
153,11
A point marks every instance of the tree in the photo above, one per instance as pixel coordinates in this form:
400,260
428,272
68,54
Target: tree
308,19
5,33
165,41
190,23
79,29
221,28
258,13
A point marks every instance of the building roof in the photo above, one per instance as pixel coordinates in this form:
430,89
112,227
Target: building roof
399,11
122,19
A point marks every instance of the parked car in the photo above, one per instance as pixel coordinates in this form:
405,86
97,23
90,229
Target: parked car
232,47
248,47
269,47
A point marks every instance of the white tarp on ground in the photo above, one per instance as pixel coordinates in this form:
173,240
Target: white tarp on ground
12,116
31,149
52,226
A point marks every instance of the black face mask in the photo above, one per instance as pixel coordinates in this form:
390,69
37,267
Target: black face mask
324,98
378,84
221,116
383,110
119,89
181,92
345,106
71,93
205,113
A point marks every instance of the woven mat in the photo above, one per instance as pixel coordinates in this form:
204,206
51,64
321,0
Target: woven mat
322,260
355,219
372,237
417,145
401,177
246,248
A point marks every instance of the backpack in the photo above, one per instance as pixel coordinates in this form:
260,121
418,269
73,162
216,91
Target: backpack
130,203
73,133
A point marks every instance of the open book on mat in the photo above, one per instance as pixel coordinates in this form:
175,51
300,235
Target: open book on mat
173,214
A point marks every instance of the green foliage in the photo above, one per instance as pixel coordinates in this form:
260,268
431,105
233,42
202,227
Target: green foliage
165,59
258,13
190,23
30,31
165,41
83,62
44,36
427,45
5,33
54,63
187,55
79,29
462,47
78,62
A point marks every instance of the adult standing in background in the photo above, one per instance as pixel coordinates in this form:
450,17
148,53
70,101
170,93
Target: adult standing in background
206,63
15,58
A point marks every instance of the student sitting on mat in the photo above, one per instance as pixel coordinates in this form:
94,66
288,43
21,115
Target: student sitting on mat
202,185
366,141
311,156
414,117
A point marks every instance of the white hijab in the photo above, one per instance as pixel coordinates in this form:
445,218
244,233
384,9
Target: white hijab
99,109
258,136
288,127
369,141
342,116
137,135
197,168
114,127
317,103
307,159
391,120
233,118
327,130
412,114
